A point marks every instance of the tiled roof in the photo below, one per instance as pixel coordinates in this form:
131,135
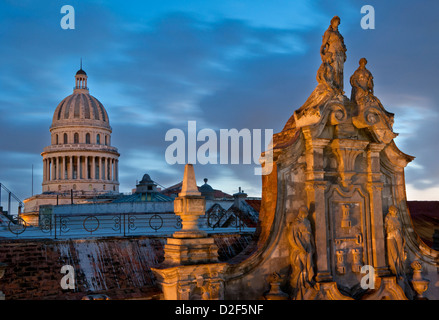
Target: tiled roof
176,189
425,217
255,204
137,197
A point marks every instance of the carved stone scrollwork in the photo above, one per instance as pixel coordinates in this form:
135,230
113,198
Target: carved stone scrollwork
388,289
371,116
325,291
338,114
346,151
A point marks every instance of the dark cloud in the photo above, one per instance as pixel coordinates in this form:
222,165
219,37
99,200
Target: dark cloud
238,68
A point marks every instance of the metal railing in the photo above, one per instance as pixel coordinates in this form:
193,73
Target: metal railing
10,198
64,226
223,219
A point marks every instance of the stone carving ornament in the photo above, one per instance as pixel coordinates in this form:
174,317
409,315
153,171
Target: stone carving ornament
395,243
301,240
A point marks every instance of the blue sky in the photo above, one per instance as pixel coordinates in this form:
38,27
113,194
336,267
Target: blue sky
226,64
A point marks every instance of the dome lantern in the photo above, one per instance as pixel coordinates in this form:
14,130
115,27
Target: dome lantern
80,81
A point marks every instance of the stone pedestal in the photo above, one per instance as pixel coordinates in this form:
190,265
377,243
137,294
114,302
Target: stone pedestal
192,282
190,251
190,270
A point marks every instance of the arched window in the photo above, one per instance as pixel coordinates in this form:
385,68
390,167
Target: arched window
106,141
98,139
87,138
56,138
65,138
76,138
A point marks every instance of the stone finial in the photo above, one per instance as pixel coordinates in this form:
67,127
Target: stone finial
418,282
275,280
189,187
189,205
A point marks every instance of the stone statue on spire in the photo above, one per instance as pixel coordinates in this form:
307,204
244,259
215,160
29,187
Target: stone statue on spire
362,83
333,43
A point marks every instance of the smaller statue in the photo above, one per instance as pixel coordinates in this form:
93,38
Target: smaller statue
301,256
370,111
362,85
395,243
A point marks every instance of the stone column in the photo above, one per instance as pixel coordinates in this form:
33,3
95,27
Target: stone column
377,251
110,170
57,168
117,170
105,172
44,170
71,167
47,169
78,168
315,187
86,167
54,168
63,174
49,172
93,168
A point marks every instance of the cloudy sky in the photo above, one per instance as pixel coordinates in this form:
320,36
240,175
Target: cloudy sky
155,65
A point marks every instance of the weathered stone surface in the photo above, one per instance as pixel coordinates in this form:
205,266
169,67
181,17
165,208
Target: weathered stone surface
119,268
335,156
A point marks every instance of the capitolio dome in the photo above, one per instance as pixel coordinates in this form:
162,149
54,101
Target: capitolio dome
80,157
80,107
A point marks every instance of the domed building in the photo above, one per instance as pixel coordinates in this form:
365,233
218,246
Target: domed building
80,156
80,160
